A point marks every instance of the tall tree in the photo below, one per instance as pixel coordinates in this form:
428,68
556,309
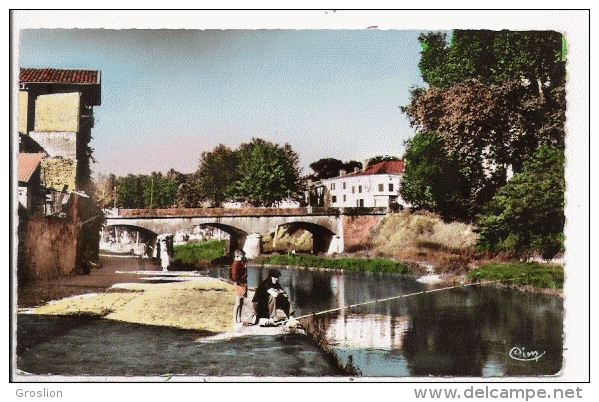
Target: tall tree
326,168
268,173
159,191
189,194
130,193
217,173
494,97
433,178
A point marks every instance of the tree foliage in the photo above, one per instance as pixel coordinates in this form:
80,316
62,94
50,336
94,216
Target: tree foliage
148,191
326,168
217,172
494,97
527,214
381,158
268,173
433,177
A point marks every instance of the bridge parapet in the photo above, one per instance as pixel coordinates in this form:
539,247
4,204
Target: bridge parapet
249,211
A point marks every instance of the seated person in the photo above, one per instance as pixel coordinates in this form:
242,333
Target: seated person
269,297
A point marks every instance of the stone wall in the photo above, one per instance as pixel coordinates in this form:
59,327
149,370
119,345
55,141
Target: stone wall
49,248
58,172
57,143
358,230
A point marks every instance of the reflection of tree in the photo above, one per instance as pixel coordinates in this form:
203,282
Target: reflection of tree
314,295
533,322
443,344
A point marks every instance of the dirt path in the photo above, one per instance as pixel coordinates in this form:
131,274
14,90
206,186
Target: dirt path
37,293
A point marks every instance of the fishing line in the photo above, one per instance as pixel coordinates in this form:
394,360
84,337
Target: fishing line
388,299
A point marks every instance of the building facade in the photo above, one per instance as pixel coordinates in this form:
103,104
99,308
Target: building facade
377,186
54,123
56,117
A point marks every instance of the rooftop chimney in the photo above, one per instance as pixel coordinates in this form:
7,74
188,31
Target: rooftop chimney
342,172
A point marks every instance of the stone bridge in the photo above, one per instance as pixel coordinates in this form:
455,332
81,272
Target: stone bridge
245,226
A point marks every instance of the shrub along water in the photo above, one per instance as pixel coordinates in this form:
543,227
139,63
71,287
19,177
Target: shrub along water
194,252
350,264
522,273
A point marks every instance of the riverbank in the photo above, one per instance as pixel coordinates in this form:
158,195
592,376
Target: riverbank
133,306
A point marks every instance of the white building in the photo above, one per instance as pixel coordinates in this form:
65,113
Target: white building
376,186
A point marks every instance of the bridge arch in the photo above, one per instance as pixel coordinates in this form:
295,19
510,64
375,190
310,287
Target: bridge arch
322,237
327,230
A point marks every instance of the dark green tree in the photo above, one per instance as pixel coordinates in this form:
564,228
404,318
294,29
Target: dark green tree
433,178
160,191
526,216
494,97
130,192
189,194
326,168
381,158
217,173
268,173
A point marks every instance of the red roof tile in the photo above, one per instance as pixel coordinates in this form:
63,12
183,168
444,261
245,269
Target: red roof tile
28,163
385,167
53,75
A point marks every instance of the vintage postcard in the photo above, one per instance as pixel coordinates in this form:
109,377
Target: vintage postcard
300,196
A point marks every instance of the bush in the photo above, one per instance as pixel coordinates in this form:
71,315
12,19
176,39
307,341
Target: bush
522,273
350,264
526,216
205,251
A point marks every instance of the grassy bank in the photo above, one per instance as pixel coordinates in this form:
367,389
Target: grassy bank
204,305
198,255
522,273
350,264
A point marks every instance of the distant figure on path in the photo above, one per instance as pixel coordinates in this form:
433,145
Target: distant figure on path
164,257
239,276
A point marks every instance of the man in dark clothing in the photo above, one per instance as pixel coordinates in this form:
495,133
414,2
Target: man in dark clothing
269,297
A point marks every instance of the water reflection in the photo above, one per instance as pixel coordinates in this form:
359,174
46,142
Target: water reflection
465,331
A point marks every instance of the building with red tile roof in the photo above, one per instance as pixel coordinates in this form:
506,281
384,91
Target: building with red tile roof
377,186
56,117
31,193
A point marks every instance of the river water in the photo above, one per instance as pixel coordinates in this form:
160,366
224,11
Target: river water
471,331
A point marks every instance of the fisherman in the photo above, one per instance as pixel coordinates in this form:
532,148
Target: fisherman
239,276
269,297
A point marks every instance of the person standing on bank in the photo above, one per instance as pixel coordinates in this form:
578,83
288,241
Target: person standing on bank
269,297
240,277
165,259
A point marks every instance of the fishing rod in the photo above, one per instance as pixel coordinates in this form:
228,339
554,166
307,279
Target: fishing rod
384,300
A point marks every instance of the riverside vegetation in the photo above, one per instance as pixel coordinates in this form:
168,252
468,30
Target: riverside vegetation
403,243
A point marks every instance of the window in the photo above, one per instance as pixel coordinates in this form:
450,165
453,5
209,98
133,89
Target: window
360,203
334,199
381,187
344,185
332,186
344,198
353,189
390,186
359,189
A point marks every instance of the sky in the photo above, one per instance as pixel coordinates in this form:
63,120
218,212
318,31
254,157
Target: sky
178,83
170,94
